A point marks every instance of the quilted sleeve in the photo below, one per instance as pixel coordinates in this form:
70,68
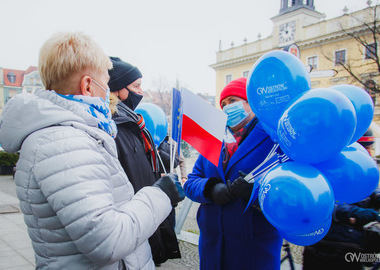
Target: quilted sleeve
73,175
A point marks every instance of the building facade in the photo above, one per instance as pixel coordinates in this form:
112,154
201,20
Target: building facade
1,89
13,82
320,44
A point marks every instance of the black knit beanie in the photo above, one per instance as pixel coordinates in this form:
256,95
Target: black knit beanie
122,74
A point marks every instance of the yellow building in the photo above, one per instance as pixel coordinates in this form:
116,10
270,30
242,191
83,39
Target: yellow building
1,89
321,45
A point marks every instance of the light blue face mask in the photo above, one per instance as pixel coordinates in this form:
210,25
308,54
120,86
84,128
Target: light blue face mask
235,113
107,99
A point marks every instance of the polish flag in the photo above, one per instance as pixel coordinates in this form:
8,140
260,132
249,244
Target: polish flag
203,126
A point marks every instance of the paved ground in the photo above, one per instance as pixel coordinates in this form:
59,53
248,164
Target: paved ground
16,252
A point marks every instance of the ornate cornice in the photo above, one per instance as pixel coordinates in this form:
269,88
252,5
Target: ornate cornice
332,37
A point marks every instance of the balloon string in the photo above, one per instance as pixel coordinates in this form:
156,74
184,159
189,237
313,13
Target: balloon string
162,164
250,177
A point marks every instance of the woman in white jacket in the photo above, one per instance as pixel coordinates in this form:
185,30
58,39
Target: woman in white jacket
77,201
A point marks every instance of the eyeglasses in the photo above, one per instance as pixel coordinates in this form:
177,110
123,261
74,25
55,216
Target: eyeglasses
105,90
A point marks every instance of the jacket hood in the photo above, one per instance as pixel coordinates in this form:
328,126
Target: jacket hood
27,113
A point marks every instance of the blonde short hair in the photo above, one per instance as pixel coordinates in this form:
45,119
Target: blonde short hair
67,54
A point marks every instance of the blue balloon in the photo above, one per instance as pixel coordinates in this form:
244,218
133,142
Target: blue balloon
155,121
296,198
317,126
271,132
353,175
363,105
359,147
310,238
274,80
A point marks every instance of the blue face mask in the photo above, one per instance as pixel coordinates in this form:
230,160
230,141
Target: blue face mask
107,99
235,113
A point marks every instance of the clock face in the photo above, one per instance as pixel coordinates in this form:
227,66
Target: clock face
287,31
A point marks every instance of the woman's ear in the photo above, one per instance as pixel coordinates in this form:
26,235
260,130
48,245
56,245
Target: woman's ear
85,86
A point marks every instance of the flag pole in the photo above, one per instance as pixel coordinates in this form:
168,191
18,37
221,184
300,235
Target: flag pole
171,132
173,158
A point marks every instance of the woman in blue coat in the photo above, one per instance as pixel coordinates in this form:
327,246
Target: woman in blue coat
229,237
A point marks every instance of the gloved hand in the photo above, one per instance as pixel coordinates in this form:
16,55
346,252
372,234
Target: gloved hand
240,188
363,216
221,194
172,187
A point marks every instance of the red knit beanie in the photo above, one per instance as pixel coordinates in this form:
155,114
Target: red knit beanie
236,87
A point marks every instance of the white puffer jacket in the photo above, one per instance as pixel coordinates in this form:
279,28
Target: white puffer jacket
77,201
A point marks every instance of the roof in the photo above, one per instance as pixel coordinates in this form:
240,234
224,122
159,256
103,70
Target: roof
18,76
30,69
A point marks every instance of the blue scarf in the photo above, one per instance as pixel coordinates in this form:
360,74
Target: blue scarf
97,108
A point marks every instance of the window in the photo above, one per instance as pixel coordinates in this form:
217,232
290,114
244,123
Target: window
340,57
371,87
11,77
312,61
245,74
12,93
370,51
228,78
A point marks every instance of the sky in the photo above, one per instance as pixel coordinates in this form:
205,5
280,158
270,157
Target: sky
168,40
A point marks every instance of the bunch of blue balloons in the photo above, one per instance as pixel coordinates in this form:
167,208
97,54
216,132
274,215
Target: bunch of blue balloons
155,121
317,129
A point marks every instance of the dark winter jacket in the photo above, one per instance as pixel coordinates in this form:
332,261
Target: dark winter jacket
137,166
131,152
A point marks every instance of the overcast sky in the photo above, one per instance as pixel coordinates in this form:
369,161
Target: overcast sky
165,39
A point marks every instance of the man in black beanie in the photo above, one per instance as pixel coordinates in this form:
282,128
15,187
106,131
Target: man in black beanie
136,150
125,82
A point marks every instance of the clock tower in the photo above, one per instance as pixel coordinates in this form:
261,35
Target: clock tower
293,15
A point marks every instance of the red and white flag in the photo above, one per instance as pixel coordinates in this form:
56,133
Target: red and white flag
203,126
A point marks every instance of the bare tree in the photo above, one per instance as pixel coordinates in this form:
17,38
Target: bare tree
160,94
365,30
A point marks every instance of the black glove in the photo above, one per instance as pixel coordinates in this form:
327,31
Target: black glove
240,188
221,194
216,190
363,216
172,187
